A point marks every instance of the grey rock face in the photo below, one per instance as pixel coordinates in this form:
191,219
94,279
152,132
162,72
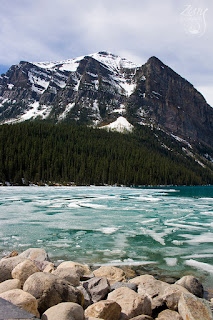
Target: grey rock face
101,87
98,288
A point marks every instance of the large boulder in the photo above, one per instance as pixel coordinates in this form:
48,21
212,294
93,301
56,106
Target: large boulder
10,285
23,270
169,315
7,265
147,284
22,299
107,310
192,284
37,254
132,304
82,269
49,290
68,274
192,308
172,296
98,288
64,311
113,274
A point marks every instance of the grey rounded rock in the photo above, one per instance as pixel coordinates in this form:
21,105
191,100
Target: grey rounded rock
192,307
50,290
37,254
10,285
192,284
23,270
68,274
104,309
169,315
64,311
7,265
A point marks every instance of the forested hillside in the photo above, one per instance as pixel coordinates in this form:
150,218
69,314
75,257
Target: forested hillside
46,153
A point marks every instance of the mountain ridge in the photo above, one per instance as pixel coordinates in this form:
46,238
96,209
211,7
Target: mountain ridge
99,88
166,124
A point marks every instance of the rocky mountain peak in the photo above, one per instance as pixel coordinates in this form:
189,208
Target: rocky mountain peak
99,88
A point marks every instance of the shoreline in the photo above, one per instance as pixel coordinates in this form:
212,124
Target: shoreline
7,184
91,288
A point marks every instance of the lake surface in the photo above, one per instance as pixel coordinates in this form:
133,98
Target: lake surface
168,231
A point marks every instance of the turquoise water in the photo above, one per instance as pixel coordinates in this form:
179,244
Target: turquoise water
165,230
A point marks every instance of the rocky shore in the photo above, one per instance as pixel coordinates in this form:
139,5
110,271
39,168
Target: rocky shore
72,291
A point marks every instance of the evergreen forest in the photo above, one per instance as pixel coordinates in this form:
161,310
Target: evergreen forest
42,153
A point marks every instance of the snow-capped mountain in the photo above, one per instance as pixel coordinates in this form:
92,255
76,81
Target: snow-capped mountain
104,89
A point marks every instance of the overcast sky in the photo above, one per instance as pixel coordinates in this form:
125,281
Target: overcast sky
178,32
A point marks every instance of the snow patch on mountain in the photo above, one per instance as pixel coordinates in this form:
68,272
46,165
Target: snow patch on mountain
119,125
64,65
35,111
121,110
181,140
114,62
111,62
66,111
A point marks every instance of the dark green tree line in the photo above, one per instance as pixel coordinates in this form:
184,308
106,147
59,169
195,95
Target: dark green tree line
41,152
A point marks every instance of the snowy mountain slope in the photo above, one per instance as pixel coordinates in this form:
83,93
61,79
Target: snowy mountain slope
94,85
99,88
119,125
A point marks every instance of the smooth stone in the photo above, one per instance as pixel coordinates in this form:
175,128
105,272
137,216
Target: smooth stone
147,284
82,269
105,309
7,265
191,307
117,285
37,254
22,300
64,311
172,296
132,304
50,290
49,268
23,270
113,274
169,315
68,274
98,288
192,284
10,285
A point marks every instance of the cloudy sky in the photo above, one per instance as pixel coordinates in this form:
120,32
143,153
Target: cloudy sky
180,33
